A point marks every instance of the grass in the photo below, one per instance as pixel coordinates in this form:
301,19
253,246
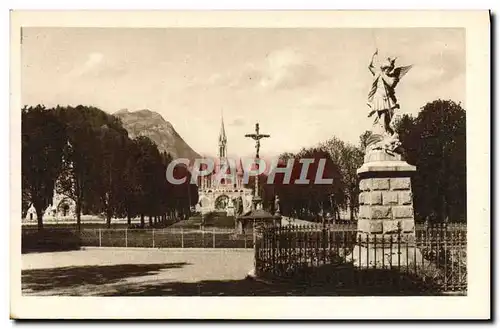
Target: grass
212,219
191,223
47,240
166,239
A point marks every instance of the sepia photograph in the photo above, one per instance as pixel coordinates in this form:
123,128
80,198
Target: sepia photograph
246,161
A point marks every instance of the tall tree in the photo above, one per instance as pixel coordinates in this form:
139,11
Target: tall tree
130,182
352,160
348,158
182,196
82,169
435,142
150,168
112,163
43,140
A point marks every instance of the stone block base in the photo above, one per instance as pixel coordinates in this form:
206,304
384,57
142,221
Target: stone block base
385,198
387,258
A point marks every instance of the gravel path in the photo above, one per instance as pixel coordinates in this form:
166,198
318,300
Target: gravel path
136,272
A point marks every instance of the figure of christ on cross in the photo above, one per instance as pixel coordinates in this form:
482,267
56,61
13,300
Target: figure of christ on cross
257,137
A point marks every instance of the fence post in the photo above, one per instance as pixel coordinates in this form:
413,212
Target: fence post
182,237
153,232
99,237
213,237
253,233
126,240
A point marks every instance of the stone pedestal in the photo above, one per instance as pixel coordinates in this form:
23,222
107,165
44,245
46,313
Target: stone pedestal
386,222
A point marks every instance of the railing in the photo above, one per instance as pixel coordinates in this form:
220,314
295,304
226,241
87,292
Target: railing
153,238
434,259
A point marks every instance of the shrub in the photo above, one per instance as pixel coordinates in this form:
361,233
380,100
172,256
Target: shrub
49,240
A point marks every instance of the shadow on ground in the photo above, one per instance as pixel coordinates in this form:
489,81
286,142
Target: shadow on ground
347,283
333,282
73,276
250,287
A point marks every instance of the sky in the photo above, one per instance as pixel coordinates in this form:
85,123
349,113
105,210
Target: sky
303,86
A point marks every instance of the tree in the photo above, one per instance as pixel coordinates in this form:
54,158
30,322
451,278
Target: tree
352,160
112,158
348,158
81,165
435,142
182,196
130,182
310,200
43,140
408,135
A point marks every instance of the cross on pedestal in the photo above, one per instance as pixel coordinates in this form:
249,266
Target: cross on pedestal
257,137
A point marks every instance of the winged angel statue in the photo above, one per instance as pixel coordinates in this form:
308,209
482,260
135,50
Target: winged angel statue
383,103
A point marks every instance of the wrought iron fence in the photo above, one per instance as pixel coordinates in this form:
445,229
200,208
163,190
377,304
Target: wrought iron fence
434,259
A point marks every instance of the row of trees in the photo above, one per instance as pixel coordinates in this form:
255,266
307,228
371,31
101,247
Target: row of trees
313,201
86,155
434,141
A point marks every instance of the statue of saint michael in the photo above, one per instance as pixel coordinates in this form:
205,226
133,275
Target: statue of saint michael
383,103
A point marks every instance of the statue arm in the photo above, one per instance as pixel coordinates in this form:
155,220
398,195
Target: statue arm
371,67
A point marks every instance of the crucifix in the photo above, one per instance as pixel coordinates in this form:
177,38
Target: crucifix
257,137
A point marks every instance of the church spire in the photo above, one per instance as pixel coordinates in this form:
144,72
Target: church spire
222,140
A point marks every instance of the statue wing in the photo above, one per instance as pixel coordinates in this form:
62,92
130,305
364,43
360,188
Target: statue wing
400,72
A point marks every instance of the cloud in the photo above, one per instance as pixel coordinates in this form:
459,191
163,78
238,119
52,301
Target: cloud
419,75
315,103
97,65
438,69
237,122
281,69
93,60
288,69
248,75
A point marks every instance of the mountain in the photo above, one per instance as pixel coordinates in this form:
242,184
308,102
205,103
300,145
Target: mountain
153,125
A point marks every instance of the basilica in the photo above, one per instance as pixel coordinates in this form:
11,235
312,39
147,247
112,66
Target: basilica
224,194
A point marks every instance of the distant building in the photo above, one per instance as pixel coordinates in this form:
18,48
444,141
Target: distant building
61,208
224,194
